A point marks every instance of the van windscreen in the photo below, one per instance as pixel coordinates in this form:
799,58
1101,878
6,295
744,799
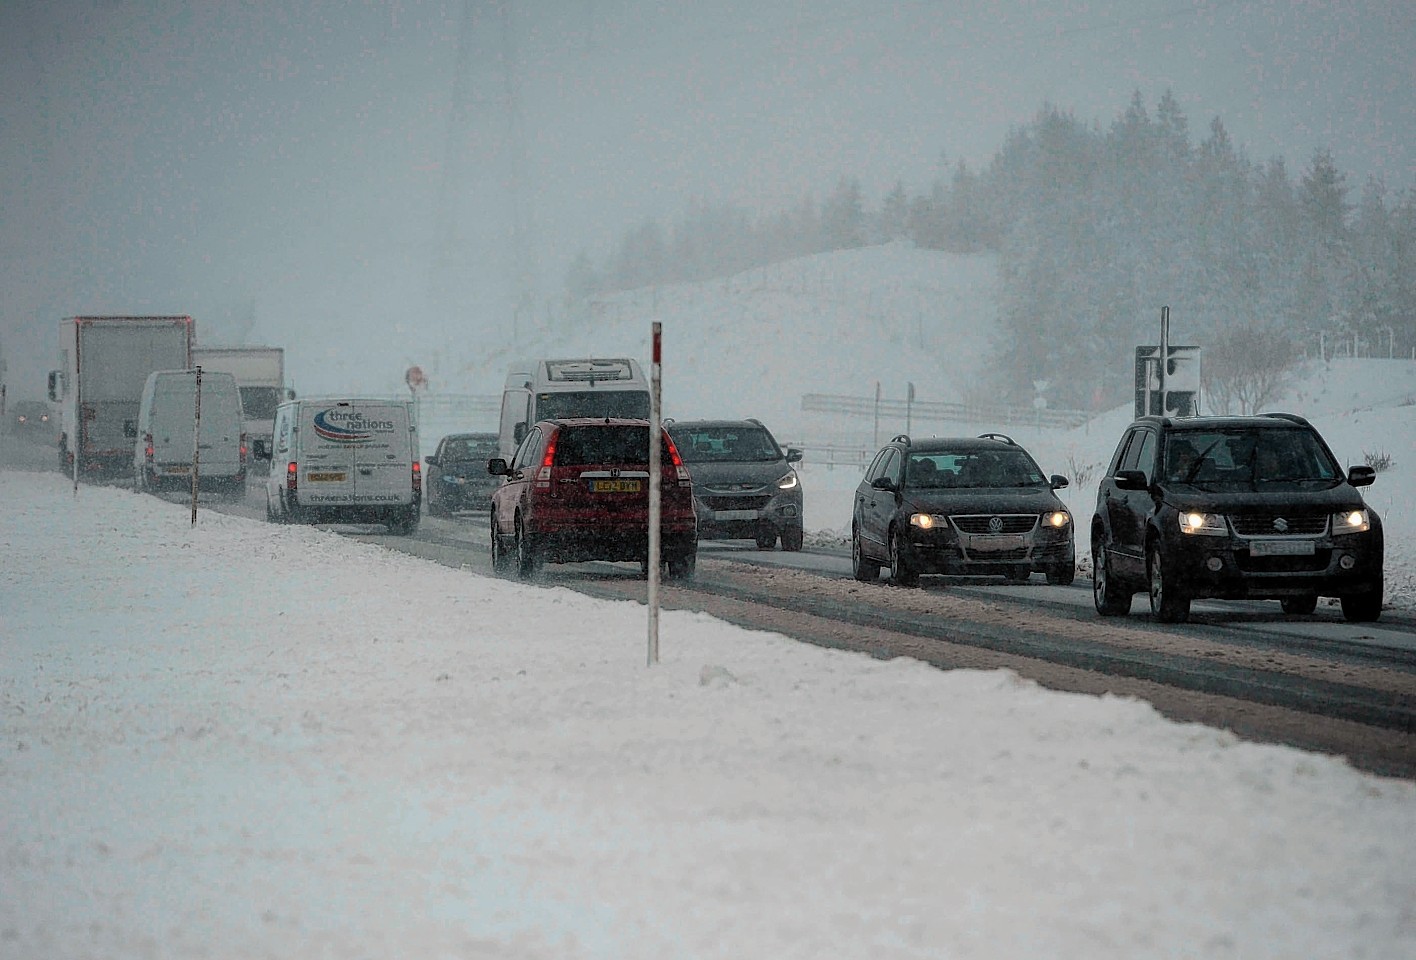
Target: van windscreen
620,404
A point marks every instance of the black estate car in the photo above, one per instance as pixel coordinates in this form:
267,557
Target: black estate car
961,505
744,486
1233,507
457,478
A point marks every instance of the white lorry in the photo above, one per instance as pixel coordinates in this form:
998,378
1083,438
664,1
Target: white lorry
103,364
260,374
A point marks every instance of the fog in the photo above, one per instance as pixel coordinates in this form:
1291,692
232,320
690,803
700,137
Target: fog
372,185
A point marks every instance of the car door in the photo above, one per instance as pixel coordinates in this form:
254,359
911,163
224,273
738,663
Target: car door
877,505
514,493
1130,510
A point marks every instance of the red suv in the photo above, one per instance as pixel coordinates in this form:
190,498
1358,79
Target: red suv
578,489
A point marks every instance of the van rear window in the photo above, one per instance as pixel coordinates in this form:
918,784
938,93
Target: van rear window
608,444
622,404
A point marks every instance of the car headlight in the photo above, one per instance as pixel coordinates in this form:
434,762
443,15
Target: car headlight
1208,524
789,482
1351,521
1057,519
924,521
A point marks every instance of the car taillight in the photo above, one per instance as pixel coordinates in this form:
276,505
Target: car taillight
417,478
243,449
543,476
292,472
680,471
147,447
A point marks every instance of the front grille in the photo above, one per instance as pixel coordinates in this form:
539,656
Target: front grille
735,503
1278,524
984,523
996,556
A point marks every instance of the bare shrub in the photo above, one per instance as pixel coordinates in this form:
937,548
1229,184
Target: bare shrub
1245,367
1378,460
1080,472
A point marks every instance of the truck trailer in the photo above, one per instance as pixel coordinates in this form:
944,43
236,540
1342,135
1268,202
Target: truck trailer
103,364
260,374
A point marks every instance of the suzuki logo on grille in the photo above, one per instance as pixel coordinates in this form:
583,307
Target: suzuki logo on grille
995,524
1280,524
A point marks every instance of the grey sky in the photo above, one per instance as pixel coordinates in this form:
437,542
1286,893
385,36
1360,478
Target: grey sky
302,167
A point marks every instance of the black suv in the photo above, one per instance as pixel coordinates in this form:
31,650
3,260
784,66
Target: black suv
964,505
1233,507
744,486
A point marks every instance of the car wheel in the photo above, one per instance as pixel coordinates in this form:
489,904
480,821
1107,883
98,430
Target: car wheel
501,559
1363,607
1169,604
681,568
270,512
766,539
528,555
1061,574
901,573
1019,574
792,538
864,570
1110,599
1299,605
403,523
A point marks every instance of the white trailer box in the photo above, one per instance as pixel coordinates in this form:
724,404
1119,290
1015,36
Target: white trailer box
260,375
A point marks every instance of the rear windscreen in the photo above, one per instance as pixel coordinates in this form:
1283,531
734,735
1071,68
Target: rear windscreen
620,404
725,444
609,444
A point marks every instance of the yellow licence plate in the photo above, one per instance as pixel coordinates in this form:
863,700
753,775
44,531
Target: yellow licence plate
325,477
614,486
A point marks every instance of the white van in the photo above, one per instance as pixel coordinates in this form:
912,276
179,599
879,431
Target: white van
552,389
345,461
167,423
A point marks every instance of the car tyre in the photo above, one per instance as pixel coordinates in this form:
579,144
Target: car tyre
1363,607
1305,604
766,539
681,568
501,557
792,538
403,523
1110,599
1061,574
865,571
528,554
1019,574
1169,603
902,574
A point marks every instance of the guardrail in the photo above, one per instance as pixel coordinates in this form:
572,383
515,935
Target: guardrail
924,411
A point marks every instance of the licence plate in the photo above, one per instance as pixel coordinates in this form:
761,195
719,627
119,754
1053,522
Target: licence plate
182,471
1282,548
734,514
325,477
1005,541
614,486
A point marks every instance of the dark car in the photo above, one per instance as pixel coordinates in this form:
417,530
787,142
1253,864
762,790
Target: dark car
744,486
579,490
1233,507
456,477
960,505
34,419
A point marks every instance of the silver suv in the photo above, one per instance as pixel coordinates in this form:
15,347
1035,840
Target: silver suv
744,486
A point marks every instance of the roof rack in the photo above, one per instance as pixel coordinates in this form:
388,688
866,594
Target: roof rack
901,438
998,436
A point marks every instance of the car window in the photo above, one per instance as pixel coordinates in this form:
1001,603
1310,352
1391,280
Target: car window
726,444
1130,451
1145,456
529,445
877,466
1245,457
892,466
605,444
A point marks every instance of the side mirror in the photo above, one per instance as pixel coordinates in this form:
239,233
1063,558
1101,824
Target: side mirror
1058,481
1130,480
883,483
793,455
260,449
497,467
1361,476
432,460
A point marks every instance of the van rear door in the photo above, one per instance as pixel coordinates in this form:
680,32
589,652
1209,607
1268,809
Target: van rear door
383,463
329,435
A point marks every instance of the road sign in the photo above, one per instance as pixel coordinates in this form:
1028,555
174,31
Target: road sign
1174,391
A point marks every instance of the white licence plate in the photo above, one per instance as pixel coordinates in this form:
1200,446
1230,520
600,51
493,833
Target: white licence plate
734,514
1003,541
1282,548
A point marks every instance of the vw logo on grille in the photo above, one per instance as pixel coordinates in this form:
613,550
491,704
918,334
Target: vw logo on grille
995,524
1280,524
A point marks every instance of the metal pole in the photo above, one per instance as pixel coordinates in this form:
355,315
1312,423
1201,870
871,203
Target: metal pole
655,494
877,413
196,444
1164,362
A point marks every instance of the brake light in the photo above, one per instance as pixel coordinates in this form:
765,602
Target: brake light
292,474
543,476
147,447
243,449
680,471
417,478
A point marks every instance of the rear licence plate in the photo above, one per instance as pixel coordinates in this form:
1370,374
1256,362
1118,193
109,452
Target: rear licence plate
1282,548
325,477
614,486
183,471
